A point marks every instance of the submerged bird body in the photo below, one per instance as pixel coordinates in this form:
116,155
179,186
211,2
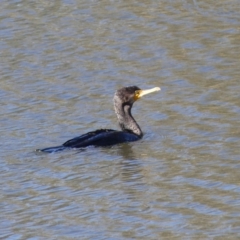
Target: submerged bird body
123,101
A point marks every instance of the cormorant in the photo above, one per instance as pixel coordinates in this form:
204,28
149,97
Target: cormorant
130,131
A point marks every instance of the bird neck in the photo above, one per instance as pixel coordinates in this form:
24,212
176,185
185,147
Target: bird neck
126,120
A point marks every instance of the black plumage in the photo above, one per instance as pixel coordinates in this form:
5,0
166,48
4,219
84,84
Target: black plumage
130,131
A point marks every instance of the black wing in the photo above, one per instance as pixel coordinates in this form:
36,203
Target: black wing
85,137
102,137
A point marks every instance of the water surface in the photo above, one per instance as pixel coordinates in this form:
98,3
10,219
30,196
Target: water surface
62,61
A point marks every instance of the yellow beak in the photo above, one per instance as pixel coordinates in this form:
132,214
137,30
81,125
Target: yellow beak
140,93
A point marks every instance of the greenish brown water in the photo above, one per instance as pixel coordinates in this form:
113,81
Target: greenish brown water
61,62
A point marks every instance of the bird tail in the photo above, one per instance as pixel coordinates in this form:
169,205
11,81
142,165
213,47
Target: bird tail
51,149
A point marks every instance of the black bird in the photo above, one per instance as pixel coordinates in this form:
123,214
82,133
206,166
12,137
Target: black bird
123,101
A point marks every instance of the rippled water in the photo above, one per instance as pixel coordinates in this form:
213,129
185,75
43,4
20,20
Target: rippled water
61,62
